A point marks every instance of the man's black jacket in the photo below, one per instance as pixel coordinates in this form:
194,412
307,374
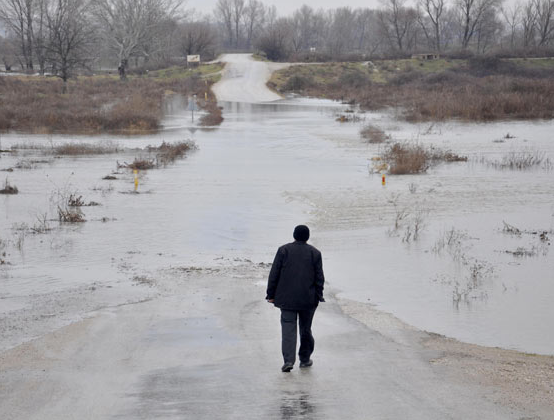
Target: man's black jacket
296,277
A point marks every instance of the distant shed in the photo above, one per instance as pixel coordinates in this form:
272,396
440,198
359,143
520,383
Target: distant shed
426,56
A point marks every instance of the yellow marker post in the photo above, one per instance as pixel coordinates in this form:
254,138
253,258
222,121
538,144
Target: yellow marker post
135,171
383,179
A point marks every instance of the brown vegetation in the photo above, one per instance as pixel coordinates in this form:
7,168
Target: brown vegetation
164,154
70,215
76,200
91,104
406,158
8,188
480,89
214,115
76,149
373,134
525,159
167,153
139,163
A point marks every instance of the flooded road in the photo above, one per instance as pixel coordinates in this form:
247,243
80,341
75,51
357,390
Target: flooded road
269,167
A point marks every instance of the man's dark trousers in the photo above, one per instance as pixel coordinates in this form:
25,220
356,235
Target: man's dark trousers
289,334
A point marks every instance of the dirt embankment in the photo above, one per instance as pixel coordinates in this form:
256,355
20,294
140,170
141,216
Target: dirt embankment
103,103
519,380
479,89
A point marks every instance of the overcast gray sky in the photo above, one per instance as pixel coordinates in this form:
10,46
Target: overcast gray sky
285,7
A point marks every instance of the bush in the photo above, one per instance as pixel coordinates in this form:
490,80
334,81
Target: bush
373,134
354,78
167,153
406,158
96,104
75,149
9,189
298,83
404,78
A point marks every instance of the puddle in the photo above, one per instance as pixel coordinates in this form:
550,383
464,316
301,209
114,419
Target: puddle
272,166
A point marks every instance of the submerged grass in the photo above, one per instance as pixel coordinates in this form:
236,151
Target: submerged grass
159,156
8,188
522,160
76,149
373,134
413,158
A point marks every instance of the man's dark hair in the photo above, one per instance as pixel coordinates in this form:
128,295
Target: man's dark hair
301,233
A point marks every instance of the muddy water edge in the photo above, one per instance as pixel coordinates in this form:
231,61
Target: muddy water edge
267,168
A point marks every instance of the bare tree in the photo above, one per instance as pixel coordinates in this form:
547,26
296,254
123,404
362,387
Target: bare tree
512,17
254,15
70,36
237,16
544,10
8,52
471,13
302,28
40,33
130,25
224,14
367,39
18,18
275,42
450,28
342,27
434,10
528,23
397,23
270,15
197,38
488,30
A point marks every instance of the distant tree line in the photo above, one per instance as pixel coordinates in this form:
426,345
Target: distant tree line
63,37
400,28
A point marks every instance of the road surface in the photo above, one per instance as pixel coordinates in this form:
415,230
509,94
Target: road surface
244,80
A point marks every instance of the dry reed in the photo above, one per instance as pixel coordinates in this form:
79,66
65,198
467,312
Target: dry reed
92,104
9,189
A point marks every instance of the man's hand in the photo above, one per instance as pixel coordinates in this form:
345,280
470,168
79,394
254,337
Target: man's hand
271,300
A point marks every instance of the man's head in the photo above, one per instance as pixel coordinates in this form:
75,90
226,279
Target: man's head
301,233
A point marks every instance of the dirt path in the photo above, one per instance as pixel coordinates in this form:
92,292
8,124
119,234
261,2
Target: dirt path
244,79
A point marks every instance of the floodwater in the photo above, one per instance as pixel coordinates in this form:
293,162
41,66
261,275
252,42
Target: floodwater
271,166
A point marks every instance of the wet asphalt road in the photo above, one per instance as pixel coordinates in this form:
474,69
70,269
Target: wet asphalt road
209,349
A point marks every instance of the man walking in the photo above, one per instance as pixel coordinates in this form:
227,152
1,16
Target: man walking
295,285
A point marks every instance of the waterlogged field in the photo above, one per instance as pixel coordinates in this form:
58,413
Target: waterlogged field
463,249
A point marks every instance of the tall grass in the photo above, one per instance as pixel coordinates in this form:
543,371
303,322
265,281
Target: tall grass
8,188
92,104
373,134
480,90
413,158
76,149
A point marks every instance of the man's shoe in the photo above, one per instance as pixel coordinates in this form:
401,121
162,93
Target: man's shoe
287,367
306,364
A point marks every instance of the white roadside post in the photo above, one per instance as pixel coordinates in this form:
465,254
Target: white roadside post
192,105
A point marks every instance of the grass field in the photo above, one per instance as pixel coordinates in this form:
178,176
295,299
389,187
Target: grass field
102,103
475,89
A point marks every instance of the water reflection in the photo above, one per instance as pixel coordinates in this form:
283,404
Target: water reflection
297,405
